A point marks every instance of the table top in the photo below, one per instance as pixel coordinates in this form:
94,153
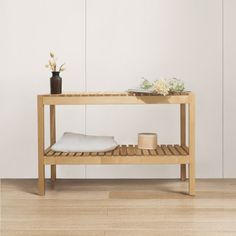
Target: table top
93,98
76,94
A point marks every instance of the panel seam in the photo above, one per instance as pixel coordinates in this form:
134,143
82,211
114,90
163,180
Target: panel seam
223,100
85,72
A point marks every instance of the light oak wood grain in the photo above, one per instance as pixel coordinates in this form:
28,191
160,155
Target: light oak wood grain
183,137
112,98
118,207
41,166
191,165
164,154
53,137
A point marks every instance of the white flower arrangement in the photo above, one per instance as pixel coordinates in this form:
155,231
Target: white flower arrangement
176,85
163,86
146,84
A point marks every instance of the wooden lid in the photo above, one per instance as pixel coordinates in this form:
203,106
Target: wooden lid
147,140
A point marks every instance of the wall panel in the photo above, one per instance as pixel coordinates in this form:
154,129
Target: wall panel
125,40
152,38
30,29
229,88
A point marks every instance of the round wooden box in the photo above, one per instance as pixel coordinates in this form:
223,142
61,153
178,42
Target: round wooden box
147,140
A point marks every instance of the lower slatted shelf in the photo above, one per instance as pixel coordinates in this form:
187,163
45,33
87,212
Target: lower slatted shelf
124,154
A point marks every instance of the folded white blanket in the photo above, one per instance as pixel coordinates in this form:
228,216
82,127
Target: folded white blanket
73,142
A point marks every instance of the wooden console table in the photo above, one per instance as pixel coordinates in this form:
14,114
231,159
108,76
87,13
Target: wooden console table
182,154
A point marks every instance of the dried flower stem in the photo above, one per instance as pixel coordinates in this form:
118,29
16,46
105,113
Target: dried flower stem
52,63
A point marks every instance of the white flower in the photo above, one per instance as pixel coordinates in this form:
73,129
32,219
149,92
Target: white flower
176,85
161,86
146,84
51,54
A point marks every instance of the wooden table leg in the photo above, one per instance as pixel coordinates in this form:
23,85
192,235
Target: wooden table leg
183,137
41,166
191,171
191,166
53,137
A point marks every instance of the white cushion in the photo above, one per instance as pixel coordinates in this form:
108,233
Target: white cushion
72,142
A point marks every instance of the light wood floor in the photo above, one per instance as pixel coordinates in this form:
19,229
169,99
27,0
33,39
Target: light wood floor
118,208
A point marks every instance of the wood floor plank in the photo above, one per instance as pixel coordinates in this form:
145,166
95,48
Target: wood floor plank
119,207
53,233
167,233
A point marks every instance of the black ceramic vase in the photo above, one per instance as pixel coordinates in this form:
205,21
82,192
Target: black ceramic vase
56,83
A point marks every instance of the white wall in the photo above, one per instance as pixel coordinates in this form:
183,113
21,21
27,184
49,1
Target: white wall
110,45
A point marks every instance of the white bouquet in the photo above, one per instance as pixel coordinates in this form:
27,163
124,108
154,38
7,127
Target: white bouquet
176,85
146,84
161,86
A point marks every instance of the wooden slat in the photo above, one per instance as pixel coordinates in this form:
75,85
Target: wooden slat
123,150
130,150
86,154
114,99
71,154
86,94
173,150
138,152
47,151
57,154
180,150
185,148
50,153
64,154
166,150
92,160
153,152
108,153
145,152
116,152
160,151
